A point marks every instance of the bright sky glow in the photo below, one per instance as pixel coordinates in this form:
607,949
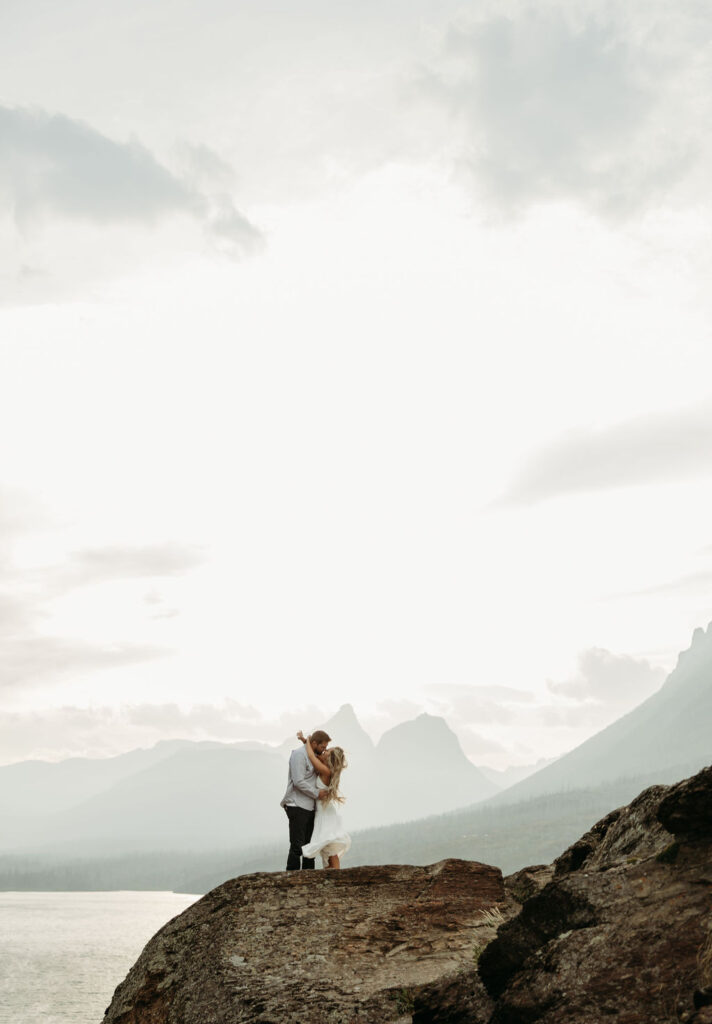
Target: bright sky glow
352,373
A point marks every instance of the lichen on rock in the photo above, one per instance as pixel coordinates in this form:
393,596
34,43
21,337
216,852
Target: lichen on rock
338,947
617,932
620,926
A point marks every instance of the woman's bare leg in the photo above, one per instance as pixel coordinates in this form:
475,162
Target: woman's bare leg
334,862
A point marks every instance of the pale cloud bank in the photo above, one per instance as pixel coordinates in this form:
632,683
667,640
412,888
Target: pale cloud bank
20,512
694,583
478,705
610,680
28,655
34,658
654,448
77,207
508,724
53,165
86,566
489,720
104,731
601,108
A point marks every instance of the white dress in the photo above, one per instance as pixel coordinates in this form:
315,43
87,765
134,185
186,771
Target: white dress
329,837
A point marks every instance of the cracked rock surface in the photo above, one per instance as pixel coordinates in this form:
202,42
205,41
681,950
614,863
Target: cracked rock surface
619,928
338,947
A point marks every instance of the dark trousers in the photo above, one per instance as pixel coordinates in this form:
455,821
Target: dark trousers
301,826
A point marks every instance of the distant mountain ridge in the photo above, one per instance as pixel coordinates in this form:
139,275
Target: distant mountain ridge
506,777
416,764
345,730
182,795
666,738
209,795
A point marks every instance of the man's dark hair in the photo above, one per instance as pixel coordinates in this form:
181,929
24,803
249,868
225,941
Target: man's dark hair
320,737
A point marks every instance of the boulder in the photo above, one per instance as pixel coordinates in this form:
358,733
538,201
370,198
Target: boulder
619,927
338,947
686,809
623,928
624,836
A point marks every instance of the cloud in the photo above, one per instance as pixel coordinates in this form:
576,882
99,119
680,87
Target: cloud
579,720
478,704
54,733
101,731
203,167
201,719
504,694
390,713
505,725
16,614
689,584
648,449
54,166
51,163
20,512
228,223
30,659
477,746
88,566
555,106
616,680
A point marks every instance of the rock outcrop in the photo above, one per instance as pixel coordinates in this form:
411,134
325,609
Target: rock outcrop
334,947
620,927
623,928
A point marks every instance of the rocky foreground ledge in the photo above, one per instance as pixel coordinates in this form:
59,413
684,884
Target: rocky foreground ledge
619,928
322,946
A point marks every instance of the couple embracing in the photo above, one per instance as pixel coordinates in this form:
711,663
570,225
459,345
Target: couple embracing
311,803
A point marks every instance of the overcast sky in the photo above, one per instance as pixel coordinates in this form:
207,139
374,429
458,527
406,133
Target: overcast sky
350,352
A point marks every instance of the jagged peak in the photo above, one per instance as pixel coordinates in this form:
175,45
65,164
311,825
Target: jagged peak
698,636
345,713
345,723
425,728
700,646
422,722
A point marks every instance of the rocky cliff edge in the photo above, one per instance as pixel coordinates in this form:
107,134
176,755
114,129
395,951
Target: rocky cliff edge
333,947
619,927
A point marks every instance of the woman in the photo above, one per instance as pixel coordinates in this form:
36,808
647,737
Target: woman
329,838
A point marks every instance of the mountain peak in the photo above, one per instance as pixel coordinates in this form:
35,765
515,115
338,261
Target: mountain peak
345,713
700,648
424,725
420,734
698,636
346,730
660,740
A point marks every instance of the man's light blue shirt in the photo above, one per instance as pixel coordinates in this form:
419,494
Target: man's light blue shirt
301,782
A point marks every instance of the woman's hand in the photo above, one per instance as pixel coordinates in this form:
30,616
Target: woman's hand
301,736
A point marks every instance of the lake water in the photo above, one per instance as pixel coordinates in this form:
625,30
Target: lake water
62,954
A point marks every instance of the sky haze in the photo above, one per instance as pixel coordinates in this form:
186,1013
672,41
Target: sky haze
350,353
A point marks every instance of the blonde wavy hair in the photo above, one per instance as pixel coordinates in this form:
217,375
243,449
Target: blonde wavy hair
336,761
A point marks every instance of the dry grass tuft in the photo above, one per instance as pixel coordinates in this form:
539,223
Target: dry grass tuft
491,918
704,961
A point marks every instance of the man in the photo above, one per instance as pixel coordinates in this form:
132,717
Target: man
300,800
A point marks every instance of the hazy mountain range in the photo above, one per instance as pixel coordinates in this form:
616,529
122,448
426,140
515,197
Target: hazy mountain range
186,795
415,796
505,777
666,738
